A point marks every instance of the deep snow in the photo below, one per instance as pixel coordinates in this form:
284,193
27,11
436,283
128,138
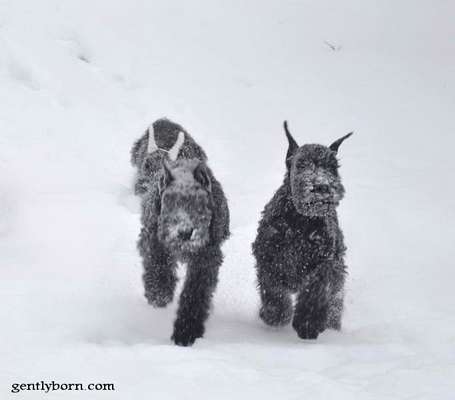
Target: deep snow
81,80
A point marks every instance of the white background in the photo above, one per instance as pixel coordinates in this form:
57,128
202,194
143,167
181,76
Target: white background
81,80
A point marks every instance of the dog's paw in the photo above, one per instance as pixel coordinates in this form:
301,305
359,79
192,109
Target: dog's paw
276,315
186,333
158,300
308,329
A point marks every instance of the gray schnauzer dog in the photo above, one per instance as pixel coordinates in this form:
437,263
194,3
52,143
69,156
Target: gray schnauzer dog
299,246
185,218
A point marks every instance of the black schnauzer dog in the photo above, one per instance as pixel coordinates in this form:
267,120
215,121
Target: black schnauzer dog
299,246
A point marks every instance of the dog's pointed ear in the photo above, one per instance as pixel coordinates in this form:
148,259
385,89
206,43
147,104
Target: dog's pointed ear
293,146
175,149
202,176
151,145
334,146
167,176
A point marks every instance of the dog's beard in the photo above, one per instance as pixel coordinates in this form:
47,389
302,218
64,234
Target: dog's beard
170,239
312,204
197,233
314,208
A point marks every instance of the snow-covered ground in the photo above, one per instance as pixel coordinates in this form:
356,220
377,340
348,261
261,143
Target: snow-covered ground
80,81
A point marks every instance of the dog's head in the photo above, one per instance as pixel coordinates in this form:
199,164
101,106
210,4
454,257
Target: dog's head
316,186
186,205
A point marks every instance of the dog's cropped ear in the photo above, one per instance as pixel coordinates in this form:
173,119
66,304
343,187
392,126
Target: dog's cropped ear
167,176
151,145
202,176
293,146
334,146
175,149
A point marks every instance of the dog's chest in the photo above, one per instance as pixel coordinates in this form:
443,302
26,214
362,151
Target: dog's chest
305,246
305,242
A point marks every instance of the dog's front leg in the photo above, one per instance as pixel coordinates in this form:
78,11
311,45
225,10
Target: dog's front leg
195,300
311,310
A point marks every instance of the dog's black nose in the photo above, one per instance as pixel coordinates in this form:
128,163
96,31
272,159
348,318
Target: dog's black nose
321,188
185,234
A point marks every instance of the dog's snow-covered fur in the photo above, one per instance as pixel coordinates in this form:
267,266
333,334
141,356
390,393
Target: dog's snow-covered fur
299,246
185,218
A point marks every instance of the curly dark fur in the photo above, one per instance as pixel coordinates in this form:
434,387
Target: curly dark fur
299,246
185,218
